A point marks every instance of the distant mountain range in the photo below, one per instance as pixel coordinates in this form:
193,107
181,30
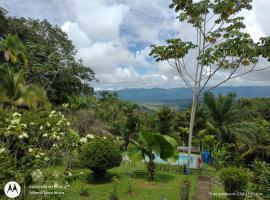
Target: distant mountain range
181,97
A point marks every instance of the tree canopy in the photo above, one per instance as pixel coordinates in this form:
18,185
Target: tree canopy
51,55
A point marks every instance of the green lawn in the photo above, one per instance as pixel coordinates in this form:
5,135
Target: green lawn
167,183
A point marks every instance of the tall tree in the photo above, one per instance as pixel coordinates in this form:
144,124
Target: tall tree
220,44
133,124
51,56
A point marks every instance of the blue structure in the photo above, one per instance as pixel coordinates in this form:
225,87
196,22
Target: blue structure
206,156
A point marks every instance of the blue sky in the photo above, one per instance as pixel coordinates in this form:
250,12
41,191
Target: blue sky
113,37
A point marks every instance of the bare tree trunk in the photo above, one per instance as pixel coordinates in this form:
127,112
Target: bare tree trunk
191,124
196,90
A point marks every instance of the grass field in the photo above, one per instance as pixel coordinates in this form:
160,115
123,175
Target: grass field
168,183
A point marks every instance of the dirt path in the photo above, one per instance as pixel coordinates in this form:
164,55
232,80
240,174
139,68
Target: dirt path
203,189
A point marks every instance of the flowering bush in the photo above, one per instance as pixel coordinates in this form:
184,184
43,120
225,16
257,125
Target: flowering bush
99,154
30,142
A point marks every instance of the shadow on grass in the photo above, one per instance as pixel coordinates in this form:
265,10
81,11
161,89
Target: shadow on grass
106,179
159,177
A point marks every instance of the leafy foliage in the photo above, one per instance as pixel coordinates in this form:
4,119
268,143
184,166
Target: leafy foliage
133,124
148,146
223,155
50,56
100,154
30,142
221,44
261,179
253,140
14,50
176,49
165,117
14,90
220,111
235,182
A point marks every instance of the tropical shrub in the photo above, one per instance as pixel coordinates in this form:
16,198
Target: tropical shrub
71,141
235,182
261,179
99,154
223,155
81,102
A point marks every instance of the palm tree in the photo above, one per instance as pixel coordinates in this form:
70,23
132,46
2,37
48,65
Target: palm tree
149,145
14,50
16,92
221,115
133,124
254,140
165,117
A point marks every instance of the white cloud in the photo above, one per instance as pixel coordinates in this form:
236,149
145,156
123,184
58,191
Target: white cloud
113,37
252,25
99,20
78,37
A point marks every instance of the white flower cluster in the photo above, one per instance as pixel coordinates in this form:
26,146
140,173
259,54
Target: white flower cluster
53,114
16,114
40,155
55,136
90,136
37,175
23,135
2,150
85,139
54,128
15,126
56,174
48,124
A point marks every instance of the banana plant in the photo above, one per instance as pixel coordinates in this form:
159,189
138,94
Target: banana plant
149,145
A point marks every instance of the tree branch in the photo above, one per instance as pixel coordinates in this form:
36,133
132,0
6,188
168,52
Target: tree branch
236,76
178,68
